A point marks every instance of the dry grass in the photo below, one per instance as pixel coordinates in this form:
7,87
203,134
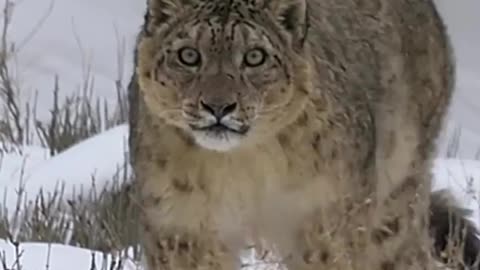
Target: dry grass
104,221
73,119
98,220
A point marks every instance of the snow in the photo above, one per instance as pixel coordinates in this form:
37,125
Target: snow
14,163
101,158
89,44
462,178
37,256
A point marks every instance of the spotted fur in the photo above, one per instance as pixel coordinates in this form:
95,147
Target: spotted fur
322,146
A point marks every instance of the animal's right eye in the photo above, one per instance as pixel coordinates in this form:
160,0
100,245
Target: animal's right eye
189,56
255,57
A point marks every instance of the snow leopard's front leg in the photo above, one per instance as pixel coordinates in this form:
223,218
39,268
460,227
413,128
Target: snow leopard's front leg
176,227
391,234
175,232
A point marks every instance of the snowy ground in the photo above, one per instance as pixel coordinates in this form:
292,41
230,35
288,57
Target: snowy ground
38,256
100,158
88,40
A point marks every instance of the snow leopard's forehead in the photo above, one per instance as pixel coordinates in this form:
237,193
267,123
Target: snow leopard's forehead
170,13
226,22
226,8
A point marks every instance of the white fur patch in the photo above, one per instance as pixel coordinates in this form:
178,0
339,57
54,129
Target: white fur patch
221,142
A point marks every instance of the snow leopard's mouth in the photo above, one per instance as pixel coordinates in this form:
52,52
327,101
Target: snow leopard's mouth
219,128
219,137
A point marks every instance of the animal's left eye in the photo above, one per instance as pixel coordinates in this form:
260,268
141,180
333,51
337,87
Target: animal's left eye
189,56
255,57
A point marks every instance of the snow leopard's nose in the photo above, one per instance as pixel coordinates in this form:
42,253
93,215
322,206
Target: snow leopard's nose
218,109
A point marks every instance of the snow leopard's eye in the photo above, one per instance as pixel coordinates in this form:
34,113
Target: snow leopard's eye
189,56
255,57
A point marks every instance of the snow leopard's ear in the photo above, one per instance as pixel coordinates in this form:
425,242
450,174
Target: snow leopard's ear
161,11
292,15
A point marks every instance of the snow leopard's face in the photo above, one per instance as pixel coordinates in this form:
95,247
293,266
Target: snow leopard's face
224,73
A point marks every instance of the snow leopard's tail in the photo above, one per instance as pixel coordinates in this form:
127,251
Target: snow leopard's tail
449,224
